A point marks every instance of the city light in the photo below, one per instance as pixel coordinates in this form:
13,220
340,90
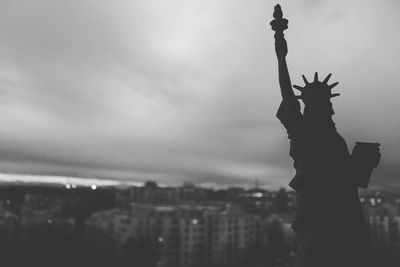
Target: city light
195,221
257,194
372,201
68,186
94,187
160,239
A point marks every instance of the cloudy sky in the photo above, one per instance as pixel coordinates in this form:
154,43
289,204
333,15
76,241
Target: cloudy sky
186,90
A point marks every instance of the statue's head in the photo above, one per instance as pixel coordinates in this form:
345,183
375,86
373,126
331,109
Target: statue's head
316,97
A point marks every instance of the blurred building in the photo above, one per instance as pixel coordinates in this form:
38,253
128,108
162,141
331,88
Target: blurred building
149,193
385,231
382,210
183,235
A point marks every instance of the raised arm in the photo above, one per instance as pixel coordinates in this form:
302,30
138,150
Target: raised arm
284,78
279,24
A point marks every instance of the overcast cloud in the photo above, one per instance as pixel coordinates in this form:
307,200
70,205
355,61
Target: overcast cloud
178,90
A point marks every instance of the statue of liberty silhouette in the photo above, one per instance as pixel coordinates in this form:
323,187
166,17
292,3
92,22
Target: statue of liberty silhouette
329,223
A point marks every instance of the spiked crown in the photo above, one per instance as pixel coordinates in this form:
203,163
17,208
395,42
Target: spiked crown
316,89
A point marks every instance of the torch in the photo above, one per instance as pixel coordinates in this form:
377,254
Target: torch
279,24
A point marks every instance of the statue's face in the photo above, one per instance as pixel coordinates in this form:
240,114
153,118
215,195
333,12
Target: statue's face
318,104
318,110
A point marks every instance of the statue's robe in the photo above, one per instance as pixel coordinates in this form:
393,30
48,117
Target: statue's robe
329,223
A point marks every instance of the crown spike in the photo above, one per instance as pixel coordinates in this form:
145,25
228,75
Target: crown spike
333,85
327,78
334,95
316,77
305,80
301,89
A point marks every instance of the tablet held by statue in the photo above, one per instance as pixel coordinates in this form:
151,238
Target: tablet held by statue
365,157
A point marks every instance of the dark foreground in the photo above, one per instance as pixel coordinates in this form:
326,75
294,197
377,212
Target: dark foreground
149,226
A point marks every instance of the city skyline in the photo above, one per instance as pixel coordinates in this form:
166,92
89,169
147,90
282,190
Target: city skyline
177,91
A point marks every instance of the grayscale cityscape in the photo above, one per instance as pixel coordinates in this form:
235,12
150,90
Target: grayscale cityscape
199,133
150,225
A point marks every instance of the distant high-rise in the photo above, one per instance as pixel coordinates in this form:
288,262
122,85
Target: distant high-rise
183,235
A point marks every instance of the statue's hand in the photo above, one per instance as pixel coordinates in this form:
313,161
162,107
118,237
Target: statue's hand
281,48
